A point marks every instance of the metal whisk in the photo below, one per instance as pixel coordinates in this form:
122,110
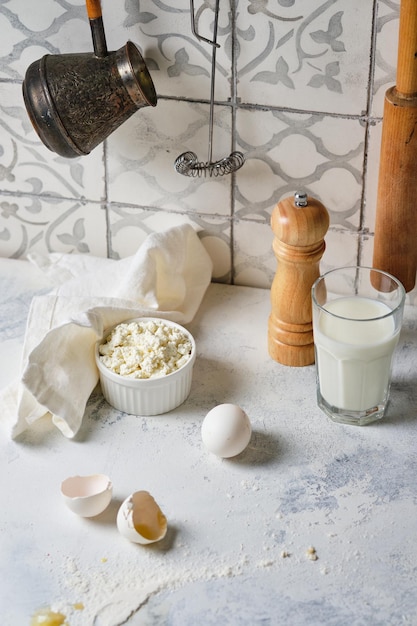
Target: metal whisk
188,163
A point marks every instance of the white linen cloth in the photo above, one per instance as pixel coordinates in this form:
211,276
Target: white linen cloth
167,277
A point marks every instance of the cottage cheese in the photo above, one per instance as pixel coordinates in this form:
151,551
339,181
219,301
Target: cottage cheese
145,349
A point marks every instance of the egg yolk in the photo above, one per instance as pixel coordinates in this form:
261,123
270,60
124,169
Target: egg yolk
148,519
45,617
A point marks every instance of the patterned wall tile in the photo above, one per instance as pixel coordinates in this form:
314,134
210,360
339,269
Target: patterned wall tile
35,224
56,26
27,166
304,55
255,262
180,64
342,249
291,88
385,52
141,156
288,152
129,226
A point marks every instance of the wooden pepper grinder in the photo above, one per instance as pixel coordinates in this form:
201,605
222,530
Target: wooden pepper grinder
299,224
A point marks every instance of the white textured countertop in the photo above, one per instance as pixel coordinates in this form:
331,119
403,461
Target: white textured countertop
239,529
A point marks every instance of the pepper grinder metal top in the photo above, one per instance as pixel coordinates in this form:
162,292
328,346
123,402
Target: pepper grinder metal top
300,224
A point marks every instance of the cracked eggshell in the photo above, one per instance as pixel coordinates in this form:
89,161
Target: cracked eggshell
140,519
87,496
226,430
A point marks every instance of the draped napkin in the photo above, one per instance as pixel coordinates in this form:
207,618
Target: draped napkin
167,278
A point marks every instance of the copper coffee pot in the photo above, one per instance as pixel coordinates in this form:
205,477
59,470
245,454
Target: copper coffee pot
75,101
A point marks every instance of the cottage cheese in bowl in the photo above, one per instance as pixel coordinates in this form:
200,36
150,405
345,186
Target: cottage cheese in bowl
145,365
146,349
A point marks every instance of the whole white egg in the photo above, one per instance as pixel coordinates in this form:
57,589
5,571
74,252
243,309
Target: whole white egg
226,430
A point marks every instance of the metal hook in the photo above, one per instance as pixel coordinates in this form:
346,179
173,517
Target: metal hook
194,28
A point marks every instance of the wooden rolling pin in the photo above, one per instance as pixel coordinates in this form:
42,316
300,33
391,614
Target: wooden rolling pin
299,224
395,244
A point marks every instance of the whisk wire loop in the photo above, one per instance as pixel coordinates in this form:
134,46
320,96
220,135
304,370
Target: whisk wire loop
188,163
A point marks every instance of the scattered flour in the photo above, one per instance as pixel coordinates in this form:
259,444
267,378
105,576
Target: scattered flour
111,594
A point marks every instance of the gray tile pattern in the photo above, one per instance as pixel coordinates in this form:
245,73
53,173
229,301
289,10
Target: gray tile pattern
299,90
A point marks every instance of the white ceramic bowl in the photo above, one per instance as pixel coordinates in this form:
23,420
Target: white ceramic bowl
148,396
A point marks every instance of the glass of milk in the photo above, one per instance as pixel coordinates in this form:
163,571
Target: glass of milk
357,316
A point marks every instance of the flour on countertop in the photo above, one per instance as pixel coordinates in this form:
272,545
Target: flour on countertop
110,595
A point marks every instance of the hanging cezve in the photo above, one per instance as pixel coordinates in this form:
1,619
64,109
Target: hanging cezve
188,163
75,101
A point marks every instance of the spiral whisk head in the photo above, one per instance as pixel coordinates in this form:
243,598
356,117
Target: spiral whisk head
188,164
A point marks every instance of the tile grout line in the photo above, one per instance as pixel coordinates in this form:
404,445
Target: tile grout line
363,116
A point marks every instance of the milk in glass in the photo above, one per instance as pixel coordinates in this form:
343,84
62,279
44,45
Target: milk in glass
354,357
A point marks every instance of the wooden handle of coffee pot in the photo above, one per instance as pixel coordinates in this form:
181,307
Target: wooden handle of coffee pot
97,27
395,241
299,224
93,9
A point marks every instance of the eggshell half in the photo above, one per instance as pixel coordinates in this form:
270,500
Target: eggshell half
226,430
140,519
87,496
